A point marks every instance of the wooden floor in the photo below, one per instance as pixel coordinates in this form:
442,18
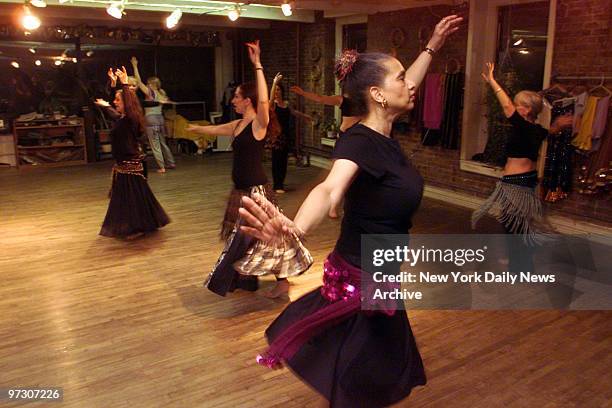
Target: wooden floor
128,324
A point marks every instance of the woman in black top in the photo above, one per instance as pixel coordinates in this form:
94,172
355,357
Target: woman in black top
517,206
241,260
355,358
133,209
283,144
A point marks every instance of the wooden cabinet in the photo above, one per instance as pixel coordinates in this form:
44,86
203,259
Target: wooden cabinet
50,142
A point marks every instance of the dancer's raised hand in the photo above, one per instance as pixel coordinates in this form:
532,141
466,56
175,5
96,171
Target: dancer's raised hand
122,75
443,29
264,221
254,53
488,74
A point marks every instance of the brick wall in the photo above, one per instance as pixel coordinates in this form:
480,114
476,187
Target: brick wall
288,48
582,47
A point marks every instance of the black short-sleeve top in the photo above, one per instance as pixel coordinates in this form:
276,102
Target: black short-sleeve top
525,138
383,196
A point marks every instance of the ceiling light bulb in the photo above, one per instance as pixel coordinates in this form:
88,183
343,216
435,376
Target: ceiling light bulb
174,18
524,51
32,50
233,14
115,9
38,3
89,53
29,21
63,1
519,42
74,60
287,9
38,63
58,63
15,64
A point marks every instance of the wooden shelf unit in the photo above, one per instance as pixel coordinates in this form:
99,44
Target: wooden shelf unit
47,154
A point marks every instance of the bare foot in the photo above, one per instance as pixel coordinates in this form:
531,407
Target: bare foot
281,288
161,170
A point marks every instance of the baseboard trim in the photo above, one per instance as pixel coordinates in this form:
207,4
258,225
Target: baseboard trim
563,225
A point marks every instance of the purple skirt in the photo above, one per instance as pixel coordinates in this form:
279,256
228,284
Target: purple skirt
365,360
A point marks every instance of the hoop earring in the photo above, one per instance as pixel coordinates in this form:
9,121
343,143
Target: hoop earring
384,103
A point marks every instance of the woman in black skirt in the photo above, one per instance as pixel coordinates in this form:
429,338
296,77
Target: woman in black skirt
355,358
243,259
133,209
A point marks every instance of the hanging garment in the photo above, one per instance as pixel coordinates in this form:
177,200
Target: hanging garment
583,139
558,166
453,105
600,121
579,107
434,98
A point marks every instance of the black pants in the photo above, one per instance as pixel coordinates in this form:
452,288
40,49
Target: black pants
279,167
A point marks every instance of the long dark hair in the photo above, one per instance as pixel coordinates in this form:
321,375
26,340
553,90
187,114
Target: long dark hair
133,110
357,73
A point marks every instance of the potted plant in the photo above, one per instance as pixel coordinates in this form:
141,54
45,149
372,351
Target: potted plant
331,128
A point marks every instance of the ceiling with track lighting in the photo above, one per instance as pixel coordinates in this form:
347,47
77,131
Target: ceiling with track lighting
286,10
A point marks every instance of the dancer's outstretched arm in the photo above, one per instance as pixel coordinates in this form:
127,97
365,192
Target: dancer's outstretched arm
225,129
300,115
265,222
448,25
331,100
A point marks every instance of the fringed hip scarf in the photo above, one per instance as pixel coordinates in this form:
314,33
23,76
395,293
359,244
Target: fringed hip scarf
133,167
514,204
341,287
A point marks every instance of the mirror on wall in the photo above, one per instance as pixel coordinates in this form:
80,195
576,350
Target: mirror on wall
515,36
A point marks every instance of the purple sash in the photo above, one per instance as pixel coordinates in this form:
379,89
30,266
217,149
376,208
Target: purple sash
341,287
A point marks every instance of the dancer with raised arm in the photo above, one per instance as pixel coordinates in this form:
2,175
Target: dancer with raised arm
156,125
242,260
514,200
352,357
133,209
283,142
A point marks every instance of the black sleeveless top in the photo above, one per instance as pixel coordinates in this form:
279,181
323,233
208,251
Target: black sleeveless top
247,168
525,139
